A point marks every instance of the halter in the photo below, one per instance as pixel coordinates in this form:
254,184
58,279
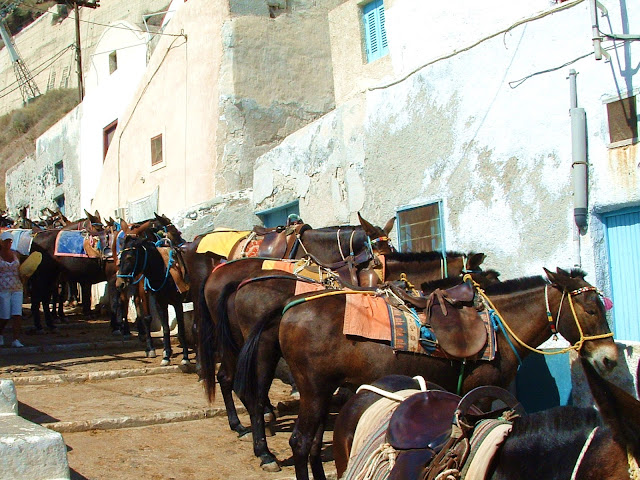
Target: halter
577,346
135,265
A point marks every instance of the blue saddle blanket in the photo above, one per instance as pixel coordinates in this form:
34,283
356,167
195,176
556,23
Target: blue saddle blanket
70,243
22,239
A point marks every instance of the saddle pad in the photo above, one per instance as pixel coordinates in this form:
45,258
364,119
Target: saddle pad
307,287
366,316
487,438
70,243
220,241
370,457
379,412
22,239
296,267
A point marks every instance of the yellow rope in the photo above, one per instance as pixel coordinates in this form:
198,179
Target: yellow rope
577,346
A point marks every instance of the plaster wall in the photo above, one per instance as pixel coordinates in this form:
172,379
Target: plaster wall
107,97
272,83
177,97
45,45
467,131
33,182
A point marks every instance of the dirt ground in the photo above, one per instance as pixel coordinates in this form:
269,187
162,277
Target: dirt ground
201,449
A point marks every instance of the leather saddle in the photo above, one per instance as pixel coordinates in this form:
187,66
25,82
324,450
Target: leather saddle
419,429
278,242
455,321
431,430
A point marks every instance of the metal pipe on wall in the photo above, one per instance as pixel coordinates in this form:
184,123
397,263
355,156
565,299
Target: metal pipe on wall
579,166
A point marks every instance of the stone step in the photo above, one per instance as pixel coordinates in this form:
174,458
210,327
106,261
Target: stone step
28,451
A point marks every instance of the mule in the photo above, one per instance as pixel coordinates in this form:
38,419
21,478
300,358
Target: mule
140,260
253,322
327,244
560,443
309,330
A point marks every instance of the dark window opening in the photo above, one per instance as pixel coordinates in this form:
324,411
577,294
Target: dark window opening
156,150
623,120
107,136
59,168
113,62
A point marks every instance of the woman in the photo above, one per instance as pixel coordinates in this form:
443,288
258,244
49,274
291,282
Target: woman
10,289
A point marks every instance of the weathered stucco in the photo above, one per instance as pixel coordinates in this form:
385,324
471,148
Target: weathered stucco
33,183
497,154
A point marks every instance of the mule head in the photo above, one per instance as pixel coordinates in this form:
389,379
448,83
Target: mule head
379,236
131,261
619,410
598,347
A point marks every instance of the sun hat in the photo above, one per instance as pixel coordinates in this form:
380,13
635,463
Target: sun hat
6,235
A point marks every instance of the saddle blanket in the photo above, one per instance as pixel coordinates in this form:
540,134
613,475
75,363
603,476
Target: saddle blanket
295,267
220,241
372,317
70,243
22,239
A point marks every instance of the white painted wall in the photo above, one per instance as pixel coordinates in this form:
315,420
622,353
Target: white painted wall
107,95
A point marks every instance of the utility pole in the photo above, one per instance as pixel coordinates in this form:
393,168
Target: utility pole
76,10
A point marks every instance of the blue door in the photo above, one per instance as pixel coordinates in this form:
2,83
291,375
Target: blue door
623,244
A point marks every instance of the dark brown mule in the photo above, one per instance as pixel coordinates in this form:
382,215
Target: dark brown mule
254,315
326,244
310,330
556,444
53,268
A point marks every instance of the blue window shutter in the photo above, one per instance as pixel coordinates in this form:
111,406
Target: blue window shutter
375,33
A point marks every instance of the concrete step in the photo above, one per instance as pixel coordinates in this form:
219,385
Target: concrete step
28,451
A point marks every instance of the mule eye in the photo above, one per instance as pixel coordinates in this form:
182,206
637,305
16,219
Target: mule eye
590,311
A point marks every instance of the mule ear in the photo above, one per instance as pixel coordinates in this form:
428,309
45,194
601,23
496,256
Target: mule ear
619,409
124,226
389,225
475,260
368,228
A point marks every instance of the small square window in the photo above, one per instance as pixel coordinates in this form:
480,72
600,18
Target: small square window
113,62
59,170
420,229
156,150
623,120
107,135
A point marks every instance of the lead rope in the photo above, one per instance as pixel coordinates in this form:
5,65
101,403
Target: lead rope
585,447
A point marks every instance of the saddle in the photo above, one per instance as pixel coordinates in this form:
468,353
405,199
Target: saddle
278,242
455,322
426,439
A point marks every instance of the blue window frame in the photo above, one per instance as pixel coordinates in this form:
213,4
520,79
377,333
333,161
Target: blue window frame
275,217
375,34
420,228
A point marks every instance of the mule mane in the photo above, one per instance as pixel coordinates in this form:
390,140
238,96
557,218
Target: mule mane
561,424
421,256
516,285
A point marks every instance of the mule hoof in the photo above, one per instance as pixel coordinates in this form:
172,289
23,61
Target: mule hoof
116,333
270,467
268,431
165,362
151,354
185,361
269,417
246,437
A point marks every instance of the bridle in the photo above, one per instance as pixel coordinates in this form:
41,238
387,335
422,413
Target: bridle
133,273
553,326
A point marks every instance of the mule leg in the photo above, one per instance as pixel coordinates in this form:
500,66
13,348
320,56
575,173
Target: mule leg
159,310
226,388
181,332
150,350
86,299
314,407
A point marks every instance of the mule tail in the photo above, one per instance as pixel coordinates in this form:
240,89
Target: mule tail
223,328
207,348
246,382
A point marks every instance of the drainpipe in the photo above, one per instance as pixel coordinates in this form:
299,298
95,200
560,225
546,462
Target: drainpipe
578,166
596,36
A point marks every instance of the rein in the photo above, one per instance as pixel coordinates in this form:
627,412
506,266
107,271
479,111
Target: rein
577,346
135,266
